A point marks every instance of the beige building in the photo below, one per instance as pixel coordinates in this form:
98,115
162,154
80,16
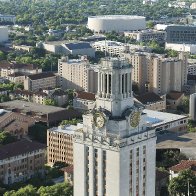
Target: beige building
40,81
155,73
16,77
58,95
174,99
8,68
147,35
15,123
84,100
20,160
60,144
77,74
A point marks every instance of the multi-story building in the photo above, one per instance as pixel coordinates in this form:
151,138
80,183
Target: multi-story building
72,48
181,38
20,160
40,81
8,68
114,153
15,123
17,77
47,114
181,34
147,35
60,144
59,96
77,74
7,18
112,48
155,73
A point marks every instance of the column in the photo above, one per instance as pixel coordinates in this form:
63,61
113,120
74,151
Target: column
128,84
104,90
99,75
124,84
120,84
107,85
112,83
101,85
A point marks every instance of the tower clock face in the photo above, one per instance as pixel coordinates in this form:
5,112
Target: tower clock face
134,119
99,120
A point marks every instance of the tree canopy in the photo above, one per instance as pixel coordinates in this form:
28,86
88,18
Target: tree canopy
180,185
60,189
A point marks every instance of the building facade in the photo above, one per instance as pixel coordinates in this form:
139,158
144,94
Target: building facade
77,74
114,154
118,23
155,73
9,68
3,34
39,81
21,160
84,100
147,35
7,18
152,101
192,106
60,144
181,34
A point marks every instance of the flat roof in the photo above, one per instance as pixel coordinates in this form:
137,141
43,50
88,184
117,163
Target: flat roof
176,140
29,106
67,129
117,17
155,118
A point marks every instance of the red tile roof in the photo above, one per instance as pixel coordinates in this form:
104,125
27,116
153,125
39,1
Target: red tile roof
85,95
14,65
185,164
174,95
68,169
149,97
41,75
19,147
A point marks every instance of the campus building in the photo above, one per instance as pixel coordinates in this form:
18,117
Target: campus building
77,74
155,73
60,144
21,160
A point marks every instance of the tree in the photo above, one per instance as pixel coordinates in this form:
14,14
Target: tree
28,190
6,138
172,53
59,164
51,102
18,86
2,56
60,189
180,185
38,132
150,25
74,121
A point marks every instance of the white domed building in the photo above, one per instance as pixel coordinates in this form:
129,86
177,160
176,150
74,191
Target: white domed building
118,23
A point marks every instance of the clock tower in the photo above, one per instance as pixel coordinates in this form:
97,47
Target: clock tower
114,153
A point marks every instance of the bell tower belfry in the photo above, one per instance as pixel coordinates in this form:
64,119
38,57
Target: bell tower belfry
114,86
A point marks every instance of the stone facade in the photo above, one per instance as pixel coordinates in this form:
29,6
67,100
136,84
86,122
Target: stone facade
114,153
